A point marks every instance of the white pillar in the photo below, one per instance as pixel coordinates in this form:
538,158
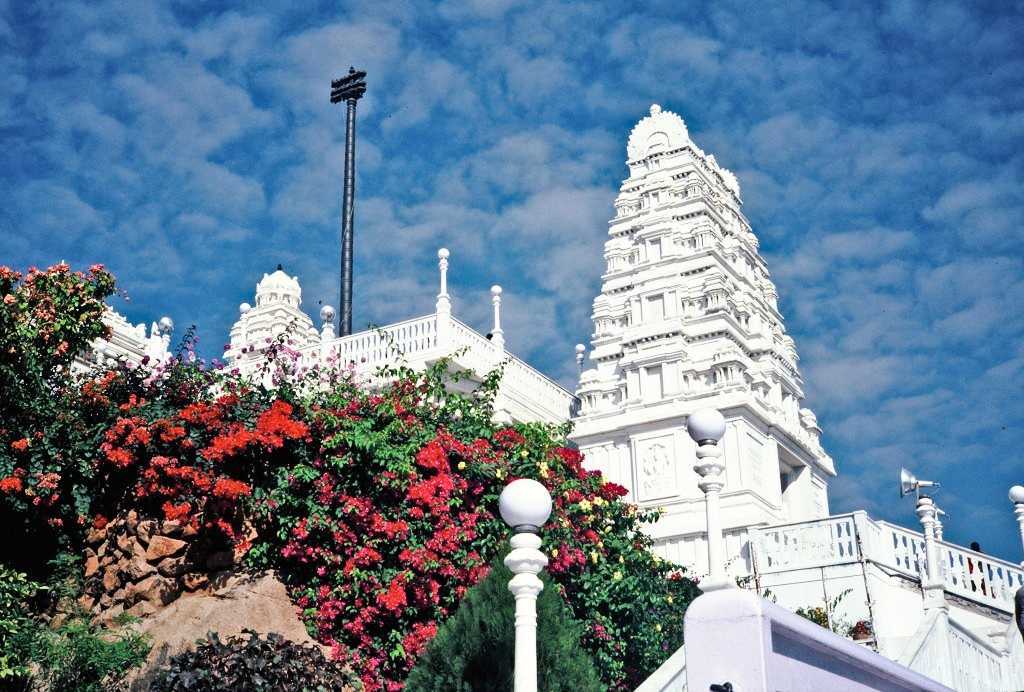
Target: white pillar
497,333
938,523
326,331
1017,498
932,582
707,427
444,304
525,505
581,351
526,561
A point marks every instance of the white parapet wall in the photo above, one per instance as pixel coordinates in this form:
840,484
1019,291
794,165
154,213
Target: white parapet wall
735,637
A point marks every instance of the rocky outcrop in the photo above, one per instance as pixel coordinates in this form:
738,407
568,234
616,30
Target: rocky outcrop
229,604
136,566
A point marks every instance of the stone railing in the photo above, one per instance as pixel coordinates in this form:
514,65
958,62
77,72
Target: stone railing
945,650
373,348
846,538
734,637
425,339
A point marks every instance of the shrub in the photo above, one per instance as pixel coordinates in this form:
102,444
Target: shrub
16,628
82,657
76,656
253,663
474,650
46,436
392,518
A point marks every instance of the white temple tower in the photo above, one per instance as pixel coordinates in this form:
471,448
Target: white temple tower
277,310
687,318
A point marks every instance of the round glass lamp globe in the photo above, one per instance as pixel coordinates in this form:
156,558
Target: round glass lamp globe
706,424
525,503
1017,494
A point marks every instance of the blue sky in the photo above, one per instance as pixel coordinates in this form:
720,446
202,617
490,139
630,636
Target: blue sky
191,147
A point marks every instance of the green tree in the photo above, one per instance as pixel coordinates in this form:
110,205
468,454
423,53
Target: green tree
475,649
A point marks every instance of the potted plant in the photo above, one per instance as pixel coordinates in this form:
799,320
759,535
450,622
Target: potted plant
861,630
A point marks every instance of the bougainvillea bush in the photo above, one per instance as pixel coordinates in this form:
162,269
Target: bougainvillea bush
47,433
382,531
374,500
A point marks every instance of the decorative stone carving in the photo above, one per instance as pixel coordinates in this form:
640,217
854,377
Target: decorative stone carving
656,472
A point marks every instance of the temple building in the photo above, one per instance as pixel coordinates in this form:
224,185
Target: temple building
688,318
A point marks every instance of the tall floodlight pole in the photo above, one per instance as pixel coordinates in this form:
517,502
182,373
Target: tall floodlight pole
349,89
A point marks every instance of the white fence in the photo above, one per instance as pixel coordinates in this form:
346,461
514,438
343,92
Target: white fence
425,339
734,637
846,538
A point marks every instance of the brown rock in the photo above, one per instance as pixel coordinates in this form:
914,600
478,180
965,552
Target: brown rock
189,531
125,543
155,589
173,566
195,581
86,602
101,551
108,559
138,569
119,596
145,530
260,603
107,617
105,601
92,565
161,547
95,536
142,609
110,579
171,528
131,521
139,550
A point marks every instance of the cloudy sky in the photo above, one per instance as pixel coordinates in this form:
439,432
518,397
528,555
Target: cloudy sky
191,147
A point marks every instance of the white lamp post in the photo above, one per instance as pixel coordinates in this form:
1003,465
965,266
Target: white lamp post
525,505
1017,498
707,427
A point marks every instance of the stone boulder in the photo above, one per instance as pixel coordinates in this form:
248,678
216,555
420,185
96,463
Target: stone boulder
232,603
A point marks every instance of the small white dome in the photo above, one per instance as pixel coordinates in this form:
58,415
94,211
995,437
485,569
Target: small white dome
279,288
1017,494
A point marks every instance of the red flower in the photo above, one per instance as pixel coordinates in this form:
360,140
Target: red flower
11,484
433,456
229,489
394,598
20,445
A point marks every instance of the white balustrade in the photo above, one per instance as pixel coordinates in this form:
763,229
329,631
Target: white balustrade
803,545
843,539
416,342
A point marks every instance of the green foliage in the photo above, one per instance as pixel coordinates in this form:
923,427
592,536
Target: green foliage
16,627
74,657
825,616
46,436
253,663
82,657
474,650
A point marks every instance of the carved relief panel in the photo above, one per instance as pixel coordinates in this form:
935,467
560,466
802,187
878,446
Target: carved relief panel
656,467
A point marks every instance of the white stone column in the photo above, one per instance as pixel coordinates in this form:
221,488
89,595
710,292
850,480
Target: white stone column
1017,498
326,332
525,505
707,427
497,333
443,308
526,561
932,582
